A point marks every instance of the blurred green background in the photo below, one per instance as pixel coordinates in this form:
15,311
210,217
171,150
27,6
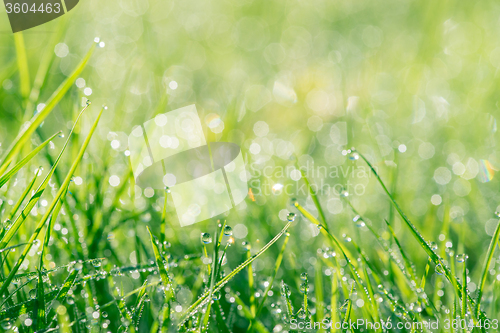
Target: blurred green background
413,85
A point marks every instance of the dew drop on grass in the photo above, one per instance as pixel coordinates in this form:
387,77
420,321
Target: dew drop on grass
6,324
304,288
433,246
358,221
439,269
167,189
96,263
206,238
353,156
344,194
301,314
303,276
32,293
462,257
291,217
78,266
497,213
216,296
228,231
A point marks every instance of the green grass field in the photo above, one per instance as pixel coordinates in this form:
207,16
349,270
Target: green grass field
371,146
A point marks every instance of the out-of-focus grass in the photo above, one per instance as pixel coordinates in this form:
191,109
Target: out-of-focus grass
412,85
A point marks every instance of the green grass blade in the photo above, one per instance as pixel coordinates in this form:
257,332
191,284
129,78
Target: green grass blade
22,64
279,259
486,268
24,195
5,178
204,298
407,261
34,199
167,285
24,135
435,258
40,302
316,201
50,209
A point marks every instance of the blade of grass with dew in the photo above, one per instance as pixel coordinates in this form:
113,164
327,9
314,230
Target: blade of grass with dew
486,268
348,310
279,259
139,306
5,178
435,258
40,303
50,209
161,266
204,298
63,292
206,317
38,193
167,285
24,195
407,261
315,200
24,134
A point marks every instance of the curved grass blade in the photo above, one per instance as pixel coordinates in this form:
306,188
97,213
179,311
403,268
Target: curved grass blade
161,267
5,178
24,134
50,209
486,268
204,298
315,200
24,195
38,193
40,302
279,259
435,258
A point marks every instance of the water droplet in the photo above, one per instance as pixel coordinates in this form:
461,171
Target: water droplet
439,269
78,266
353,156
167,189
301,314
291,217
246,245
358,221
497,213
228,231
462,257
433,246
32,293
303,276
97,40
6,324
216,296
206,238
344,194
96,263
304,288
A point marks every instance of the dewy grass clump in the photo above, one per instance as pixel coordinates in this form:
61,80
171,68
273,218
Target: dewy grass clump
399,234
